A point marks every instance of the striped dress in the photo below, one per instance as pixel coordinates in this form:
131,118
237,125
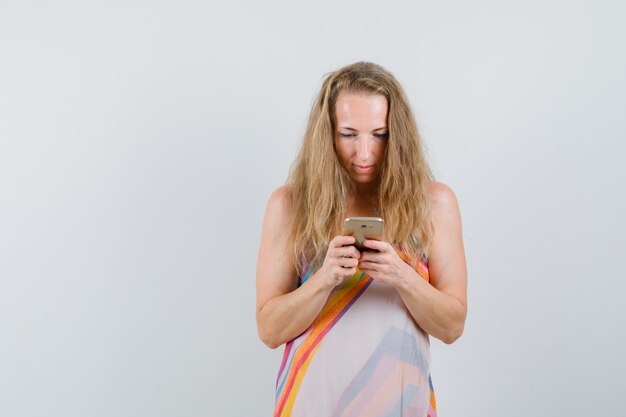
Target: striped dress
363,356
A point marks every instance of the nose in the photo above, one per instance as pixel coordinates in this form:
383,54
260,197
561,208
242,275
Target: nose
363,148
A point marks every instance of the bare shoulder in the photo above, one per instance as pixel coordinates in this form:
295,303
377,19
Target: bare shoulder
443,200
276,272
277,219
447,266
278,205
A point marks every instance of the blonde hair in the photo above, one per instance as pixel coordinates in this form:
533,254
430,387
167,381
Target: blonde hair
319,185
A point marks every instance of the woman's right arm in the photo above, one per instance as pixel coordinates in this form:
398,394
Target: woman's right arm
284,310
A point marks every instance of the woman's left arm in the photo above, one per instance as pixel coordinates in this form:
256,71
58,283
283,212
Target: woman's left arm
438,307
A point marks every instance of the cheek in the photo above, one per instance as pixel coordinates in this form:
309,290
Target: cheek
343,153
380,150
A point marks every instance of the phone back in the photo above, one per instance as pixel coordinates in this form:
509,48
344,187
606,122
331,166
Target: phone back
363,228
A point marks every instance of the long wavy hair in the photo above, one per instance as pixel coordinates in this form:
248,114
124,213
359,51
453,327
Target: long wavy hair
319,185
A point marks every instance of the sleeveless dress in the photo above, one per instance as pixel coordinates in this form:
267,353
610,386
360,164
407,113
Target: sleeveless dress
364,355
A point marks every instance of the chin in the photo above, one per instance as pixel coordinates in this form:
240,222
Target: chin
362,179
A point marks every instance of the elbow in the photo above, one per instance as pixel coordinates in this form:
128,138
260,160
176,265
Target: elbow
455,331
453,335
269,338
269,341
450,338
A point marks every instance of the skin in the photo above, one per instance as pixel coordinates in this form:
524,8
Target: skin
360,141
284,310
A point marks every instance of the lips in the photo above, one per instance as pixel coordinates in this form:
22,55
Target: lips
363,169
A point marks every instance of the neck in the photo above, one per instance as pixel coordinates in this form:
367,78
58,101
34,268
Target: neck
370,189
367,192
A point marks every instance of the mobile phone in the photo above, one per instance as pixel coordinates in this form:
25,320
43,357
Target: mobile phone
363,228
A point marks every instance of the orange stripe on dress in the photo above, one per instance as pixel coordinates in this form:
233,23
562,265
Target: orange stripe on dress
338,304
420,266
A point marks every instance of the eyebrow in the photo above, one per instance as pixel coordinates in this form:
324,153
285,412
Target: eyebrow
354,130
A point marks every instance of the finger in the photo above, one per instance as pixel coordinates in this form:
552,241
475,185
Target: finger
346,252
368,266
377,245
375,257
339,241
348,272
349,262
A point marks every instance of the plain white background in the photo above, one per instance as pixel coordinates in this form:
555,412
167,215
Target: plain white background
140,140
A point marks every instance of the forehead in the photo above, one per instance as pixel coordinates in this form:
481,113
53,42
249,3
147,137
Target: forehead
361,108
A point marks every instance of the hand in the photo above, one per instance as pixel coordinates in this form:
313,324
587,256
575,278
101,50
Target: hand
385,265
340,261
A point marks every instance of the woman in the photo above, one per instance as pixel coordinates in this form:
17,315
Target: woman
356,323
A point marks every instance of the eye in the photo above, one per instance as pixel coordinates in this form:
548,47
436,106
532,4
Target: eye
346,135
382,135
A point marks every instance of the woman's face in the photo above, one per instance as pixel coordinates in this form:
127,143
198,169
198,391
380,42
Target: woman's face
361,134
